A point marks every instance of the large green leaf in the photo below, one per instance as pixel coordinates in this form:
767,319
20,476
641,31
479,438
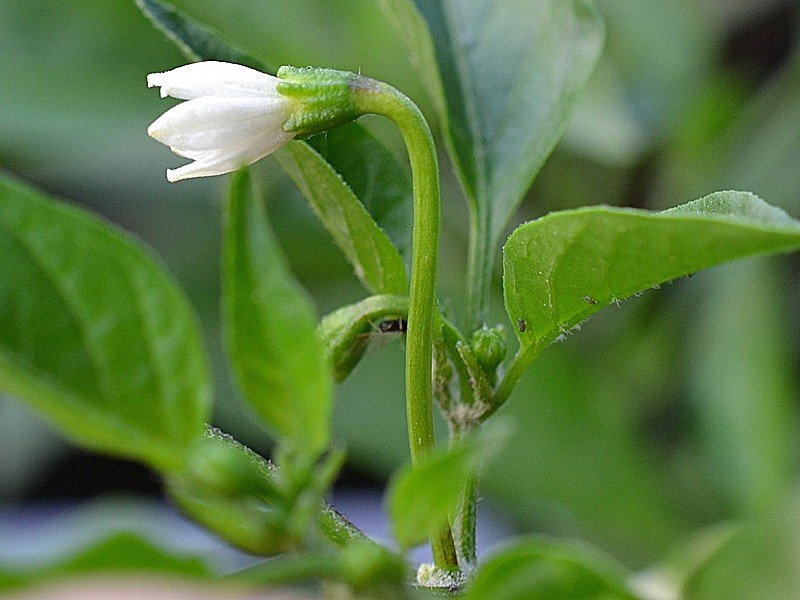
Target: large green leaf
381,183
548,570
562,268
504,77
94,334
270,329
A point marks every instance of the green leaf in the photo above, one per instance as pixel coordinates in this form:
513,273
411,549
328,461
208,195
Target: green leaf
504,79
94,334
270,329
548,570
562,268
376,261
121,553
382,185
375,176
421,497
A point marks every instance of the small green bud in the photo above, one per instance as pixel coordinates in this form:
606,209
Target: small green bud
345,331
489,348
320,99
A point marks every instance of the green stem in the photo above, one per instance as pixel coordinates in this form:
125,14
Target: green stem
516,369
375,97
466,518
465,525
479,269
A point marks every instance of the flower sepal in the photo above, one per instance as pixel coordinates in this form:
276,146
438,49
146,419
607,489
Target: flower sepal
320,99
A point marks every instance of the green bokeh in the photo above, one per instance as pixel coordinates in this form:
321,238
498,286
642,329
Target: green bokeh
617,441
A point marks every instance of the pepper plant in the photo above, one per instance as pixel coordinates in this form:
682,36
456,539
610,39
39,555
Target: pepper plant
96,336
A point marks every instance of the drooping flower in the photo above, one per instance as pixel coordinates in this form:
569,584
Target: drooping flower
232,117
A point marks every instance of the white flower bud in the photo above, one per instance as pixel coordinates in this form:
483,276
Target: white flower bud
232,117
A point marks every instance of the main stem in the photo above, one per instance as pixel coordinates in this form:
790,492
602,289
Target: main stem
479,269
379,98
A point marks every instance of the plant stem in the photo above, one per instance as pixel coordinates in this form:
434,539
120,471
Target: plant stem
465,525
516,369
376,97
479,269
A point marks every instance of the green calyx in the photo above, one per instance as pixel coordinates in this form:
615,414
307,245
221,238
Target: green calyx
489,347
321,99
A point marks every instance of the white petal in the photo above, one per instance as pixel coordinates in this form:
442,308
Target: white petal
212,78
229,159
207,123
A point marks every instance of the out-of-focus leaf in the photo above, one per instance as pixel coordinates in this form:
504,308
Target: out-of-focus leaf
604,126
376,261
757,562
750,143
243,522
122,553
541,569
28,446
423,496
194,39
504,79
761,148
663,54
745,395
578,466
562,268
240,496
94,334
685,561
270,329
370,168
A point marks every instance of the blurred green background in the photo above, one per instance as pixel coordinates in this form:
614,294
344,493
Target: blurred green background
673,412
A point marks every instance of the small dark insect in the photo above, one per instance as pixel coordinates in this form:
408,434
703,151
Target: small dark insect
589,300
393,326
522,325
